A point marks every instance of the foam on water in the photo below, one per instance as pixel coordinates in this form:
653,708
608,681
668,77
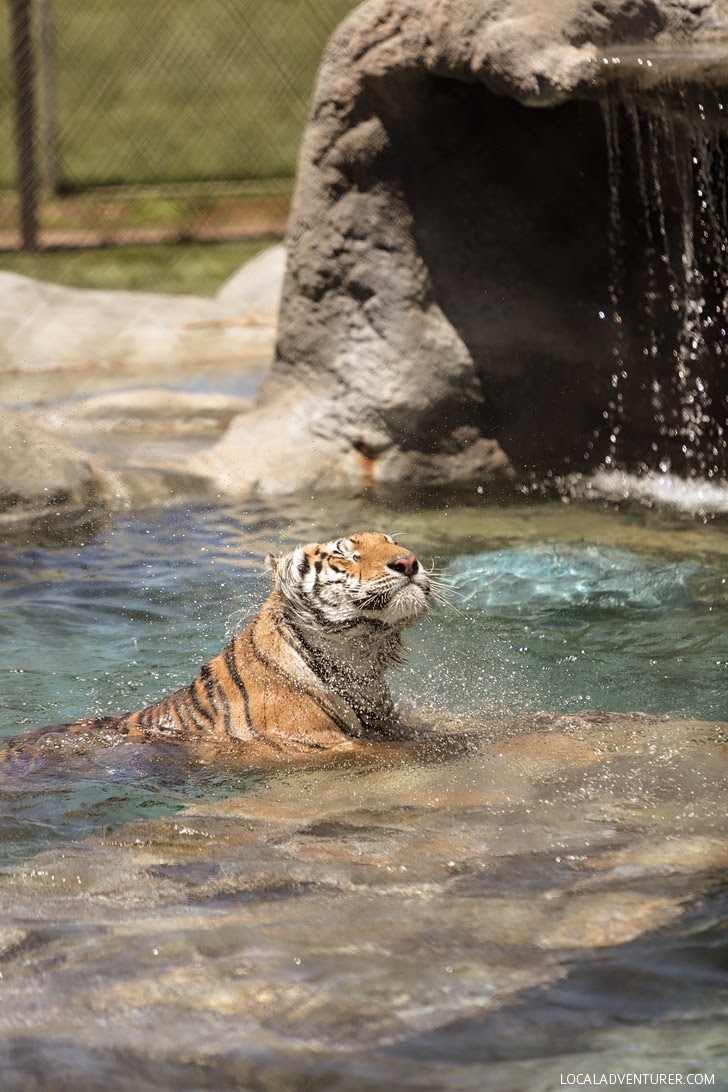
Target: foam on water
694,496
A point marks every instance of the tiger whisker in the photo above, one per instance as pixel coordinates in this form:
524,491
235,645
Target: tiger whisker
441,593
447,589
441,601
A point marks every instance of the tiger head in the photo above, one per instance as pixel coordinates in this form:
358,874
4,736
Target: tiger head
363,580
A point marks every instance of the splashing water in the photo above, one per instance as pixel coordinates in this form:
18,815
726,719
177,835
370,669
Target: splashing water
586,624
668,221
692,496
557,576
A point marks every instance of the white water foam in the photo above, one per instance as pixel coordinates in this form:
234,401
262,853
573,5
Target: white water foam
691,495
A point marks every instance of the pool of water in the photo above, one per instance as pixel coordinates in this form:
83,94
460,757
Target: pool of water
226,923
553,606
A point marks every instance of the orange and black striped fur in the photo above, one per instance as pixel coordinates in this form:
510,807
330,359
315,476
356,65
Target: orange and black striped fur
307,674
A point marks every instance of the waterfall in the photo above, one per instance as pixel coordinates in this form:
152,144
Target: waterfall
668,290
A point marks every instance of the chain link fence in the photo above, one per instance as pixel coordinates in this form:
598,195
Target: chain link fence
153,120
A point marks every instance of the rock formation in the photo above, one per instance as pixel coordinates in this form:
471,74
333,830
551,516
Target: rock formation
448,274
46,329
49,490
57,342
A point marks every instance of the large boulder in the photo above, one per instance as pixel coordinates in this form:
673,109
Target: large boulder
448,276
46,328
255,288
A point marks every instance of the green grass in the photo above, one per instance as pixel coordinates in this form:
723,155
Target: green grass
196,268
179,90
105,216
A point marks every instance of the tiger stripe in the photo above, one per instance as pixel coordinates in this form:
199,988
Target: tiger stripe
180,711
208,684
200,713
225,710
325,707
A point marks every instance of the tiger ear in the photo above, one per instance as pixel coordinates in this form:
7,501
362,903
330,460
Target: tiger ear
271,564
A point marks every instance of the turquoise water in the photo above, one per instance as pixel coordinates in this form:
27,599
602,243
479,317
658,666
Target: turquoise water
556,625
600,626
108,627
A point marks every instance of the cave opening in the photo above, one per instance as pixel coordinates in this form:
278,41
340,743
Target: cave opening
579,253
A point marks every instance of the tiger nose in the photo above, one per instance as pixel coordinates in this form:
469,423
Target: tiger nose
407,564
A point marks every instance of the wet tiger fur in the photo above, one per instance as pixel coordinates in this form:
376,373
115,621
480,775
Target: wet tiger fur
307,674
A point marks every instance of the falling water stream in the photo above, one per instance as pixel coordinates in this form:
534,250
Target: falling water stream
667,166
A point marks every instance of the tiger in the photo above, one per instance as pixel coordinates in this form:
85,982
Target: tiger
307,675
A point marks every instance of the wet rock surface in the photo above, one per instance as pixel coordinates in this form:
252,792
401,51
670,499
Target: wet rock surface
354,924
154,411
48,488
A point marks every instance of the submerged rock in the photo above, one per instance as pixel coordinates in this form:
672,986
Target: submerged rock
321,920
